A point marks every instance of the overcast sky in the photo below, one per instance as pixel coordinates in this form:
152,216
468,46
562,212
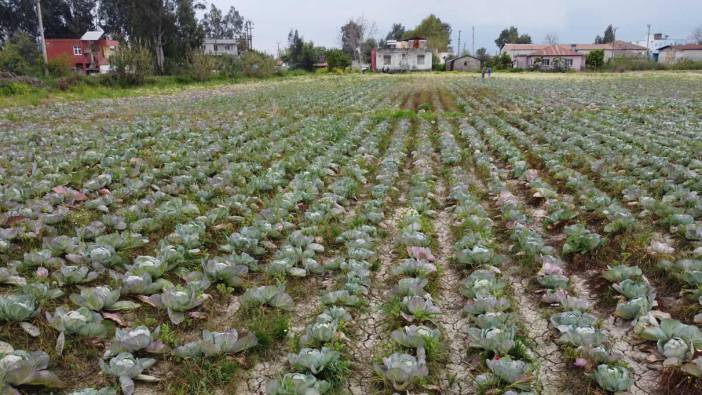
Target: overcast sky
569,20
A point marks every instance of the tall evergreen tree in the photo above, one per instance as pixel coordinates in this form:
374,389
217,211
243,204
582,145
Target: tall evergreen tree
190,33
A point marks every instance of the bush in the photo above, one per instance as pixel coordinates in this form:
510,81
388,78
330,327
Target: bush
686,64
13,88
202,67
595,59
337,59
132,64
621,63
60,66
66,83
258,64
20,55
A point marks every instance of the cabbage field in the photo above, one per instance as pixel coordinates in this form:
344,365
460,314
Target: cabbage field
438,234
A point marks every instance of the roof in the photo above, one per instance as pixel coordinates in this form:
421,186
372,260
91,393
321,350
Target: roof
413,38
461,57
209,40
557,50
523,47
686,47
93,35
617,45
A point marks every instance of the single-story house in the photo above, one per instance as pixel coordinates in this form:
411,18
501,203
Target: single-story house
615,49
514,50
411,54
550,58
220,46
88,54
464,63
675,53
612,50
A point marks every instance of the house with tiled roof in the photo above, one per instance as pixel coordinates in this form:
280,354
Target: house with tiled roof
551,57
520,53
613,50
678,53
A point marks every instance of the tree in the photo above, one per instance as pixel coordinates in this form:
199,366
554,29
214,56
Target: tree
551,39
609,36
503,61
151,23
190,33
337,59
301,55
435,31
481,53
396,32
367,48
595,59
62,18
82,16
354,35
697,35
20,55
511,36
218,25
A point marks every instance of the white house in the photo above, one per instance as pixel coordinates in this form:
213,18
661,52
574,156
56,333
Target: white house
655,42
220,46
411,54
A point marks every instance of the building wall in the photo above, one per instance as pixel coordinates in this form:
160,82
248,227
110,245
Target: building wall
402,59
56,48
527,62
670,56
611,53
466,64
221,47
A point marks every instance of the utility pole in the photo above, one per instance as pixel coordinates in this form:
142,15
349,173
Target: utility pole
458,48
472,51
43,40
648,41
248,27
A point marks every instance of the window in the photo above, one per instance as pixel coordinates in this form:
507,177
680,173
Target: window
216,48
77,50
545,62
569,62
387,60
227,47
420,59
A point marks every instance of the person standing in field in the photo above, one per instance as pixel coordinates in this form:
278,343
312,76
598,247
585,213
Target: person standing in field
489,72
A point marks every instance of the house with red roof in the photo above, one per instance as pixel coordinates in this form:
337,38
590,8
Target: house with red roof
523,54
88,54
551,57
671,54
